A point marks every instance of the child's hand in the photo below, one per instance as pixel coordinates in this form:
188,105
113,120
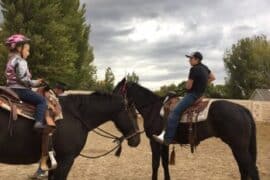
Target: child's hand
40,81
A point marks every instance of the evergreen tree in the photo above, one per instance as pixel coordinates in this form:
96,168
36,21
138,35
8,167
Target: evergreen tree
74,18
109,80
55,55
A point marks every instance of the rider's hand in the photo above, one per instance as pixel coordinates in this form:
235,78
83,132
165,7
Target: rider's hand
40,81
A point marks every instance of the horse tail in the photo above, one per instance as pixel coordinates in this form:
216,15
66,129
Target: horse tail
253,141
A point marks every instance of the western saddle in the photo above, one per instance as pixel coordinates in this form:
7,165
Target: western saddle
191,113
10,101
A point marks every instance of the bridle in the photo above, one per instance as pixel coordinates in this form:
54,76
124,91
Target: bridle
108,135
129,103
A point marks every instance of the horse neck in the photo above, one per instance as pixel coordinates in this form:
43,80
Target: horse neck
86,113
91,124
148,104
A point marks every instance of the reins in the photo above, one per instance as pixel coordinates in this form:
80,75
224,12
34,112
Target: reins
107,135
118,140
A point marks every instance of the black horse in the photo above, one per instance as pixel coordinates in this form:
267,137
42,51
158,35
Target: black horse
82,113
230,122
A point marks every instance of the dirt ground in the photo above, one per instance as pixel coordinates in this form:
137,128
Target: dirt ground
213,160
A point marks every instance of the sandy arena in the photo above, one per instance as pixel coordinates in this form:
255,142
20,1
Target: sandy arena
213,160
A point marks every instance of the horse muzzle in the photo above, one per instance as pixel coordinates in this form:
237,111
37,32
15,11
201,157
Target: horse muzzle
134,139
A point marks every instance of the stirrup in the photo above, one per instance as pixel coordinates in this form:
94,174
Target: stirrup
52,162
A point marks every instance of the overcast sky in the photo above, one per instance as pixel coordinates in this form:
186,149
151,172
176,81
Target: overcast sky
151,37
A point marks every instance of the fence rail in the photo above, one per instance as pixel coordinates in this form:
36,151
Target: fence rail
259,109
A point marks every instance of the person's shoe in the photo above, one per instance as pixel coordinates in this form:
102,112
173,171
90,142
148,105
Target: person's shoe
160,139
39,175
39,125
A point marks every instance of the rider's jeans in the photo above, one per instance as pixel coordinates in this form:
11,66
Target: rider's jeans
29,96
174,116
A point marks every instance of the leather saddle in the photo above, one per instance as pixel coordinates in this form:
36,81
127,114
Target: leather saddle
199,106
199,110
172,99
10,101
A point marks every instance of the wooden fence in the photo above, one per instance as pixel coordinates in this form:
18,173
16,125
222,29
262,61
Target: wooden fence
260,109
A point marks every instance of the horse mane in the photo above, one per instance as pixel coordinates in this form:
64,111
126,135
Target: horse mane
100,94
98,99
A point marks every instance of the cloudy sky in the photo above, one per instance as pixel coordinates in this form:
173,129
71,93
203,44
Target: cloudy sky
151,37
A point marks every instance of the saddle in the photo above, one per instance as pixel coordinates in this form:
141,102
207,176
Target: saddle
197,112
200,107
10,101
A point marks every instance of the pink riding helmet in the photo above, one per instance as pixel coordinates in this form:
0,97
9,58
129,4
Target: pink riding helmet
14,39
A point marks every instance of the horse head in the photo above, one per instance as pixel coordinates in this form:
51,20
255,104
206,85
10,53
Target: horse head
126,121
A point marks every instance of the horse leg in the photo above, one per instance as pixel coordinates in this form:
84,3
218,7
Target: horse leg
61,172
246,165
156,153
165,161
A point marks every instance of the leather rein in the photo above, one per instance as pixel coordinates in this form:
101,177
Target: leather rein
108,135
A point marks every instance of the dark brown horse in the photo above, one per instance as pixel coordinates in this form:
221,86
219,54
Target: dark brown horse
82,113
230,122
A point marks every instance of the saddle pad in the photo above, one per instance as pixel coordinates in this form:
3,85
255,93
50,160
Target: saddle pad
169,106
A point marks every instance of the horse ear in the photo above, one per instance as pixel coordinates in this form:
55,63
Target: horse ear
123,80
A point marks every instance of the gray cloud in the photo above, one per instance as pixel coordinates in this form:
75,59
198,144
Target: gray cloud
209,26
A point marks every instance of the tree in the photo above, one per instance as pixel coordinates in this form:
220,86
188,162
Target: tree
3,55
107,84
109,80
73,15
55,54
212,91
163,90
248,66
133,77
216,91
180,89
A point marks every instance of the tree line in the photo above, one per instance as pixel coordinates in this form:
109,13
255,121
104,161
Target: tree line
61,51
247,64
